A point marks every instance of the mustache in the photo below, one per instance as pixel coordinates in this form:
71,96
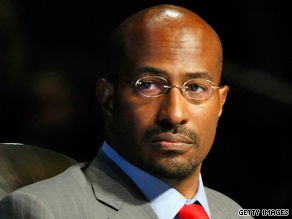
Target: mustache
178,129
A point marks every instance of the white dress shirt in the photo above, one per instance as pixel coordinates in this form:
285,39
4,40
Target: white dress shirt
165,200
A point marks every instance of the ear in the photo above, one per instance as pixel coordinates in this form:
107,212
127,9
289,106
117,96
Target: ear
104,93
222,95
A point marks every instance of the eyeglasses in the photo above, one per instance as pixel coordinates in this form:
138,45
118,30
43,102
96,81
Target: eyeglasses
196,89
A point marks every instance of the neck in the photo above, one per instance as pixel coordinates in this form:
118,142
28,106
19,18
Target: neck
188,186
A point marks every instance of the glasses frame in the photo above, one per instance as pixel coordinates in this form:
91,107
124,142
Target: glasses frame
182,88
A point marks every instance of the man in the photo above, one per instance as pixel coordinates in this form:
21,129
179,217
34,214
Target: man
161,102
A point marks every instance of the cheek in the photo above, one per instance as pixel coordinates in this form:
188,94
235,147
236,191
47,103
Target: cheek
205,119
134,117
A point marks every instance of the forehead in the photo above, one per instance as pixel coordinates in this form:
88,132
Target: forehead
149,70
174,51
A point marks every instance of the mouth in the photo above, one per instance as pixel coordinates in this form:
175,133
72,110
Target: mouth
171,142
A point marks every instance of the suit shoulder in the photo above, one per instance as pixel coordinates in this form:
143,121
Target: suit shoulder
71,177
221,206
58,196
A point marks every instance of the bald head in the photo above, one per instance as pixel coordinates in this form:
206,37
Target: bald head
176,26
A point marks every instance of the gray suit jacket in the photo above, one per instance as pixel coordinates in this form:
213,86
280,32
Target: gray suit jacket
99,190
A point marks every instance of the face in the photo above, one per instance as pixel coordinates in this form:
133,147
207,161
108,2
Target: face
168,136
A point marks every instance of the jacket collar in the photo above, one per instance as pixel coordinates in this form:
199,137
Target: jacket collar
113,187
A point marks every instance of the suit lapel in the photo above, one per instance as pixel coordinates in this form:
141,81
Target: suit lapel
113,187
214,209
134,208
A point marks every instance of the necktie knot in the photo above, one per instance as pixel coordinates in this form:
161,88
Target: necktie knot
193,211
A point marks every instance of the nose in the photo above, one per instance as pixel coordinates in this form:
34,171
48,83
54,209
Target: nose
173,108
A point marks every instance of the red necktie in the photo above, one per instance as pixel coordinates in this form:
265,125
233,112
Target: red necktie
193,211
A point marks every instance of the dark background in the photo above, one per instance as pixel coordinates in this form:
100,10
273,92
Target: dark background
51,54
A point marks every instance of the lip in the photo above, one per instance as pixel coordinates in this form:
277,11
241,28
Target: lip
174,142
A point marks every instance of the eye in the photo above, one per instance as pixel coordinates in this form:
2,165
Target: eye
151,86
196,88
148,85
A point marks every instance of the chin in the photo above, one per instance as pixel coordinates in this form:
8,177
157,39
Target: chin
172,167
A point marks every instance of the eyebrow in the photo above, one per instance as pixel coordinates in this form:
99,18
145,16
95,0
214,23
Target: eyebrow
188,75
204,75
149,69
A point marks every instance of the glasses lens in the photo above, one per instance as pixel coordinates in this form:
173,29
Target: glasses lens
199,89
151,86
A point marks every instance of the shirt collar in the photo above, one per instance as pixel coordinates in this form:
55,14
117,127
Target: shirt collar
165,200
